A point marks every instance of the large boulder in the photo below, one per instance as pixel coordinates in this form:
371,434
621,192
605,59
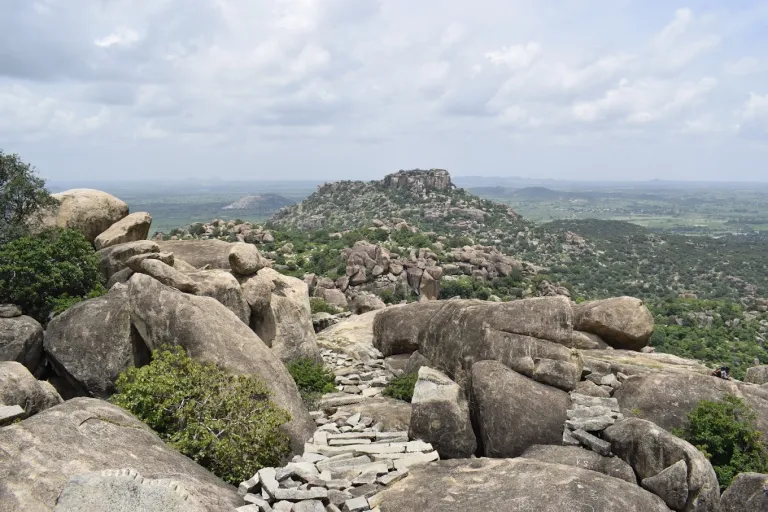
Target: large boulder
455,334
513,412
245,259
91,212
21,339
19,387
222,286
365,303
132,228
748,492
286,324
199,253
757,374
665,464
212,333
90,343
42,453
508,485
440,415
115,258
352,336
166,274
622,322
667,398
581,458
394,415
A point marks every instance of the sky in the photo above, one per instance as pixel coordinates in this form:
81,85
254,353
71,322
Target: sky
355,89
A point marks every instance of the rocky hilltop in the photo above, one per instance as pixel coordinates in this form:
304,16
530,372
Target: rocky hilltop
265,203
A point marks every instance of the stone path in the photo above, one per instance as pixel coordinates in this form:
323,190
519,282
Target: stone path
350,458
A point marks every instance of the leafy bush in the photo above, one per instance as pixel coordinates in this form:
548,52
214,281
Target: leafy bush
63,303
226,423
312,379
318,305
725,432
39,272
402,387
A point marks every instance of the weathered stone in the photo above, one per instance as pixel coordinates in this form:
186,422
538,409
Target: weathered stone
119,277
84,435
757,374
90,343
335,297
210,332
91,212
579,457
309,506
589,388
365,303
21,340
512,412
19,387
747,493
622,322
10,413
134,262
393,414
132,228
352,336
587,341
503,485
415,362
222,286
199,253
440,415
560,374
671,485
650,449
246,260
592,442
9,311
114,258
167,275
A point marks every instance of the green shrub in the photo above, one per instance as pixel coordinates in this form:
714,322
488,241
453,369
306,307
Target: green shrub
40,272
725,432
318,305
401,387
312,379
226,423
63,303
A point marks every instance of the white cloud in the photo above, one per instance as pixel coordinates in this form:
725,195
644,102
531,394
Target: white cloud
743,67
683,40
515,57
120,37
756,106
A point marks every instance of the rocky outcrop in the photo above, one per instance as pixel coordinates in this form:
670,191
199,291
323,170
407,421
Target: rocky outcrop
222,286
42,453
91,212
666,398
622,322
581,458
747,493
199,253
503,485
115,258
512,412
245,259
124,489
285,324
365,303
524,335
675,470
212,333
440,415
90,343
166,274
757,374
132,228
19,387
21,339
418,181
352,336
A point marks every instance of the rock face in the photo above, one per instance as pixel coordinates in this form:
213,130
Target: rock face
91,212
19,387
419,181
210,332
132,228
222,286
200,253
394,415
21,339
84,435
440,415
581,458
286,324
747,493
667,398
124,489
505,485
622,322
365,303
653,452
167,275
757,374
90,343
115,258
453,335
512,412
352,336
245,259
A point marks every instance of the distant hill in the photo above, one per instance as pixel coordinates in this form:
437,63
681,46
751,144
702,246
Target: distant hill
265,204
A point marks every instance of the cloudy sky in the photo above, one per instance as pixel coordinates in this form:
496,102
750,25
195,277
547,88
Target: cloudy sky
326,89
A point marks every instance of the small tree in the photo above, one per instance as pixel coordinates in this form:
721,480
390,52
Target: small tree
43,272
725,432
226,423
22,195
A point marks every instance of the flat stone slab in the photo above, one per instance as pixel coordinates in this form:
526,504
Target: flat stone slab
8,413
